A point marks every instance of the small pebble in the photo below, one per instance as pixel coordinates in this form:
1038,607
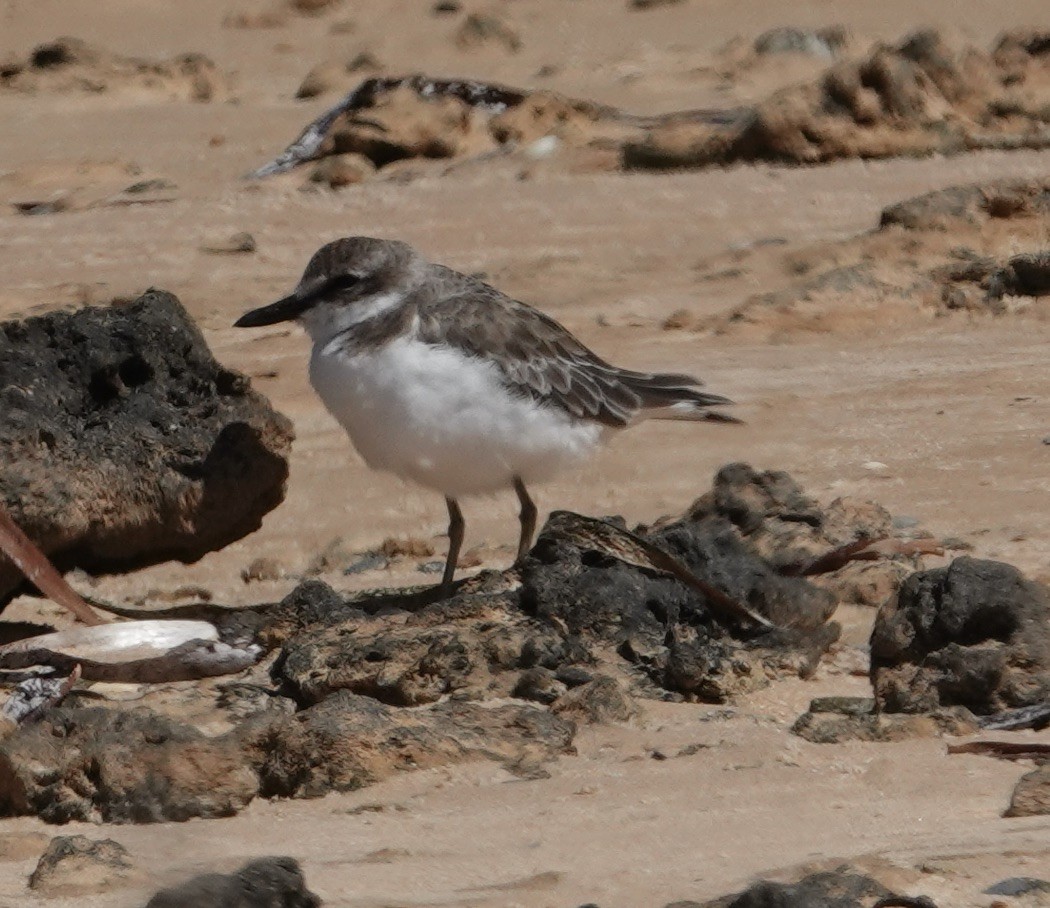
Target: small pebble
430,567
367,561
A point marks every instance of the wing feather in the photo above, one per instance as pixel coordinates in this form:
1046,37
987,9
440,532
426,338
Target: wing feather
538,358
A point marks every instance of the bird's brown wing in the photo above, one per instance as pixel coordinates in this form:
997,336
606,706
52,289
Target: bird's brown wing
538,358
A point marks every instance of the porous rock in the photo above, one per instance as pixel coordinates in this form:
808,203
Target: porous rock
92,763
417,658
124,443
276,882
973,634
77,865
139,766
347,741
842,888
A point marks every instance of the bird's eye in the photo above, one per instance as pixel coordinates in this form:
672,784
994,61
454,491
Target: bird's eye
341,282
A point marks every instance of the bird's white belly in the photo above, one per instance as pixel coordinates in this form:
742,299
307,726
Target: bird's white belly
442,419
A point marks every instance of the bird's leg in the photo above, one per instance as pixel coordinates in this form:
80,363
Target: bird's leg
456,527
527,516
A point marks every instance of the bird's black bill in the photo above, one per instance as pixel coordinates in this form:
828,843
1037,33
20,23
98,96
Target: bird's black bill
285,310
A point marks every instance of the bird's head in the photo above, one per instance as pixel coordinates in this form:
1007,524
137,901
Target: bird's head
347,281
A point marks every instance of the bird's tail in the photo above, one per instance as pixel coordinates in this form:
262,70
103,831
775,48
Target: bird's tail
669,396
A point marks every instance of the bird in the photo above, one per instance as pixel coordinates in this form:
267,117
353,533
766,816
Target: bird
444,380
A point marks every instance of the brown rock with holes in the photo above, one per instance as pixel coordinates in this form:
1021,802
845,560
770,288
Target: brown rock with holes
137,766
77,865
474,646
348,741
124,443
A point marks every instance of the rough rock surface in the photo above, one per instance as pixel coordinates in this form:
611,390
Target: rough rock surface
264,883
76,865
69,64
917,97
973,634
970,238
139,766
124,443
843,888
357,689
834,720
1031,797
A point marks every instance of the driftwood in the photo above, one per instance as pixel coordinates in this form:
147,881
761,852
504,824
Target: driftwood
489,97
1005,750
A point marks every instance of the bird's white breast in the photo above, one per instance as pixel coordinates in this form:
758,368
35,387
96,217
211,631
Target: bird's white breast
443,419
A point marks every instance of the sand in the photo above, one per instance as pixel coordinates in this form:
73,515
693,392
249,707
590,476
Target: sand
954,407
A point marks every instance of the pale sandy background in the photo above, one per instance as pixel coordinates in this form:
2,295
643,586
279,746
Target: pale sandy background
611,256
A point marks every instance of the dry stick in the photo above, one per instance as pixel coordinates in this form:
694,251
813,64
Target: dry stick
1007,750
41,572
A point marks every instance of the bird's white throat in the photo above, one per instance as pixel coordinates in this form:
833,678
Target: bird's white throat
326,321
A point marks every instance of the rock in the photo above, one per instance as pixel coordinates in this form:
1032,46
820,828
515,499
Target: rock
441,649
72,65
136,766
123,443
479,30
77,865
665,627
824,43
336,75
823,726
235,244
1031,797
261,569
844,888
1018,885
338,171
348,741
311,604
602,701
973,634
262,883
539,685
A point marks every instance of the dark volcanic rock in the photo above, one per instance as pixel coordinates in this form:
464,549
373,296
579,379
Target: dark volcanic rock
974,634
843,888
124,443
669,629
263,883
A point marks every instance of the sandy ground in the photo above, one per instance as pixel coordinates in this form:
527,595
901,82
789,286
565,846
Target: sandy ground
955,408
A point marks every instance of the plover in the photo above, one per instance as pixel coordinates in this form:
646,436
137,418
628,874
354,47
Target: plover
444,380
